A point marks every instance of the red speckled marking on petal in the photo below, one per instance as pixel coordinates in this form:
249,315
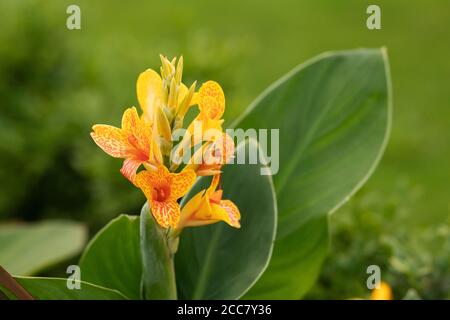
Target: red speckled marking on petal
167,213
181,183
233,212
211,100
111,140
129,169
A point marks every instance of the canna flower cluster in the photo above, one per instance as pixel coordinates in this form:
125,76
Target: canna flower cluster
153,160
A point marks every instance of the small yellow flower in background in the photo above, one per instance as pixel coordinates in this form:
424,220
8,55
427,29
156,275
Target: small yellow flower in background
384,292
133,142
162,189
207,207
147,140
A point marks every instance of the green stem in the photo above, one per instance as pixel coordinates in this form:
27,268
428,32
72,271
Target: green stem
157,252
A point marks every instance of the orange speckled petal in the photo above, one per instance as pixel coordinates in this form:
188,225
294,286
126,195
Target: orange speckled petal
146,180
233,213
181,183
221,151
166,213
112,140
138,131
129,169
130,120
218,213
227,145
211,100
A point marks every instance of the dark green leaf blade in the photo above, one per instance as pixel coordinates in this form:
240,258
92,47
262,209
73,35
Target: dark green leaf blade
217,261
334,115
297,263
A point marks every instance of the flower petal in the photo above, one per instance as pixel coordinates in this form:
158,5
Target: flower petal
192,206
181,183
221,151
139,133
146,180
112,140
182,92
211,100
185,100
130,120
129,169
211,124
166,213
149,91
162,123
232,212
214,213
196,212
203,129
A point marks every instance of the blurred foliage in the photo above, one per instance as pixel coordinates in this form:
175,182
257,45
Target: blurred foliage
56,83
368,231
46,114
53,91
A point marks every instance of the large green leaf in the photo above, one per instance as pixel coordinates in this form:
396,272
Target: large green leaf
113,258
218,261
28,248
300,257
333,113
158,277
56,289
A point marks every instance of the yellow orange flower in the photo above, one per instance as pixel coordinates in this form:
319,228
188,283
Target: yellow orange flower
208,207
384,292
147,140
162,190
133,142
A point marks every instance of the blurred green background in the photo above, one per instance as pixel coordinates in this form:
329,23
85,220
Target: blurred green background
55,83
